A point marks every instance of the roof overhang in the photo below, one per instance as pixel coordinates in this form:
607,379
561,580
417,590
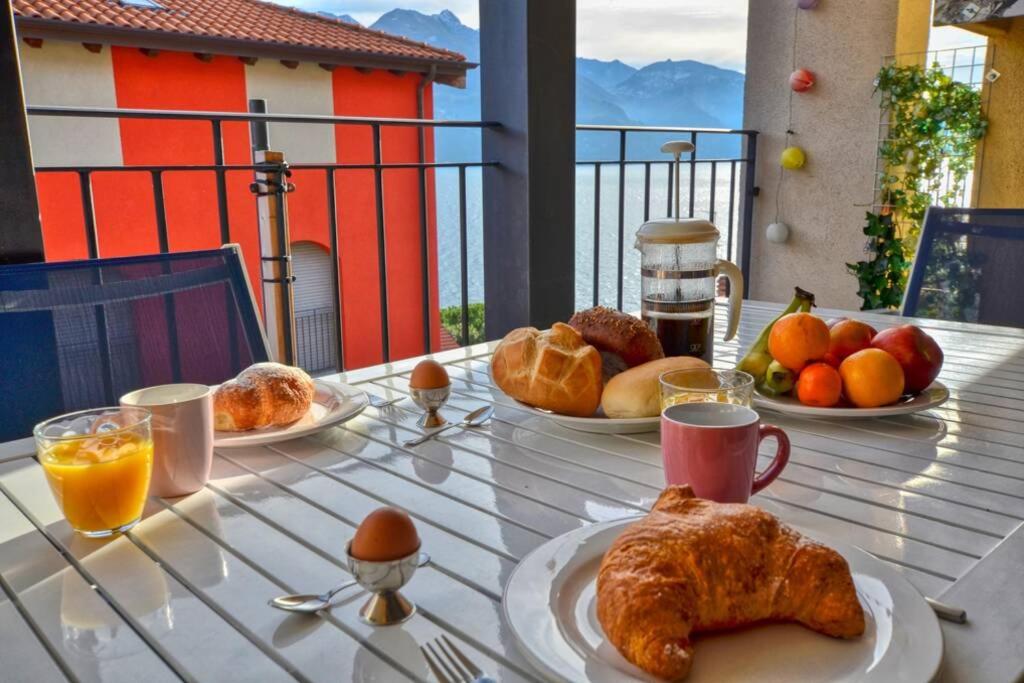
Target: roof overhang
451,73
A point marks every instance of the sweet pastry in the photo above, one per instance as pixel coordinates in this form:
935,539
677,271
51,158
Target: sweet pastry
262,395
623,340
551,369
637,391
693,565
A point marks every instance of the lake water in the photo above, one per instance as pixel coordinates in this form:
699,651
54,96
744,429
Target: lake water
448,227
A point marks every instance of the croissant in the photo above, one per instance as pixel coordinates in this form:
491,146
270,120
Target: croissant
263,394
693,565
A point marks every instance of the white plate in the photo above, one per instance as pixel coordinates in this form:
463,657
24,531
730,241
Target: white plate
934,395
551,605
599,424
333,404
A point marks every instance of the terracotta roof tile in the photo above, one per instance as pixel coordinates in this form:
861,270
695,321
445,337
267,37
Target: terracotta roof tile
255,20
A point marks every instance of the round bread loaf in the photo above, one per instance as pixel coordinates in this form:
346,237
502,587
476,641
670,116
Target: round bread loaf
618,333
554,370
637,392
262,395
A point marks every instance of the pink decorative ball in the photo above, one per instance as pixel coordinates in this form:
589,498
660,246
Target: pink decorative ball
801,80
807,4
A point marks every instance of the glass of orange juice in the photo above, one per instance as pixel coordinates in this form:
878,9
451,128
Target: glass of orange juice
98,464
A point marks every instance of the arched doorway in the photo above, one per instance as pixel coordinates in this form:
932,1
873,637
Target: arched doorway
315,327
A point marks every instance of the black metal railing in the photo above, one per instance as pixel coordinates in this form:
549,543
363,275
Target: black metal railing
221,169
738,168
315,340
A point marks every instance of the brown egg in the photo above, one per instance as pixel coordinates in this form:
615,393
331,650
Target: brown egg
386,534
429,374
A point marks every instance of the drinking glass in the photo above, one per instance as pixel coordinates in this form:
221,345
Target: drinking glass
706,385
98,464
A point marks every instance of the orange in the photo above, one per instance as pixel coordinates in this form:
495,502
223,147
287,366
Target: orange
847,337
819,385
798,339
872,378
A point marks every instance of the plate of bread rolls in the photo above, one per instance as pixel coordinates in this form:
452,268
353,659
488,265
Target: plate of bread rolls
271,402
597,373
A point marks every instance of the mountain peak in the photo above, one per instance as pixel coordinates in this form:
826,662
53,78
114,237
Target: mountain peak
449,17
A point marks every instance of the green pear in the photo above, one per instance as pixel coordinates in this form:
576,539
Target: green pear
778,380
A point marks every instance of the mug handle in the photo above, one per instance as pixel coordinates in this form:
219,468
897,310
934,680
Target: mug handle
781,456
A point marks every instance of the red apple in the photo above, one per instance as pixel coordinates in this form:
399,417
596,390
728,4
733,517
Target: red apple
847,337
916,352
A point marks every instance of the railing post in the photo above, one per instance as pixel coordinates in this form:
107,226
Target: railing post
749,195
21,234
527,55
270,187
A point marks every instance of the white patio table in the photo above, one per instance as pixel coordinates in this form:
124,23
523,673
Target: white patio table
184,595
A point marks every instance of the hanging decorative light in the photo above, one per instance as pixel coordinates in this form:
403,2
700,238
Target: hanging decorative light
793,158
801,80
777,232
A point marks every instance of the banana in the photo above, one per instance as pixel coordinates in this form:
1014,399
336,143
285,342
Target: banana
758,359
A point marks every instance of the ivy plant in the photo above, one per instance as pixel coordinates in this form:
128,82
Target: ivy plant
934,125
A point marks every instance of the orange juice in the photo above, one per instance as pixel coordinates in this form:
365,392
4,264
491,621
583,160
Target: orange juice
100,482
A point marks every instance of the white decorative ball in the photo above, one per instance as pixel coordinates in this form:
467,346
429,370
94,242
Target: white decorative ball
778,233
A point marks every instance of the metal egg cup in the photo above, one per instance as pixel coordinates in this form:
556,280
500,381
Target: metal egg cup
383,580
431,400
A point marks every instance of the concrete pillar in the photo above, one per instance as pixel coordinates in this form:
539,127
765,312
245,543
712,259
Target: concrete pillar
836,123
999,175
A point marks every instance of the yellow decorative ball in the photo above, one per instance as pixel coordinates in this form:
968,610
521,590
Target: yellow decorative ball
793,158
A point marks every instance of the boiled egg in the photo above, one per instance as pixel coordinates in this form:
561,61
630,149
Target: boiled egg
429,374
386,534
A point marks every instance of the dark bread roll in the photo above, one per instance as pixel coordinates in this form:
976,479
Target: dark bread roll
617,333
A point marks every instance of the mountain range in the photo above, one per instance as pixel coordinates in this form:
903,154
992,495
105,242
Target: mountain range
667,93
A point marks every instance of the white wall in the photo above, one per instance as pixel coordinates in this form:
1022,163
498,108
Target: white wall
843,43
304,90
67,74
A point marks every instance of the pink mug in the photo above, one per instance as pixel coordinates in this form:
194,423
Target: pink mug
713,448
182,425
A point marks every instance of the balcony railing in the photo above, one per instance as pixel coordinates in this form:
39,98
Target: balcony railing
726,179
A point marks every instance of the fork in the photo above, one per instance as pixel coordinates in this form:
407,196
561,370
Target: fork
449,665
378,402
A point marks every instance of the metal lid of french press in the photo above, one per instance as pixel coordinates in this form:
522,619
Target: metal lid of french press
677,230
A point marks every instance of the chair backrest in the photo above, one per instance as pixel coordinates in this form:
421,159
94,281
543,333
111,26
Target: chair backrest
968,267
80,334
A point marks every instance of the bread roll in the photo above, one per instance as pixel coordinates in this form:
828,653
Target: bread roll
263,394
637,392
554,370
617,333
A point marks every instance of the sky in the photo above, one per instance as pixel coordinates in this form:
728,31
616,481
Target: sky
638,32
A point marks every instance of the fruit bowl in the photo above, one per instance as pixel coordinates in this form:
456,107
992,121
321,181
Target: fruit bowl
935,395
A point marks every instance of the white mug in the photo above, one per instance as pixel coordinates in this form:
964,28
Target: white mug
182,426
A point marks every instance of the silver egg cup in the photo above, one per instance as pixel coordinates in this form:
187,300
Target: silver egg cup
386,605
431,400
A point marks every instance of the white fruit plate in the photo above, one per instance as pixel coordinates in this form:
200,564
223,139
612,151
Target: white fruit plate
333,403
935,395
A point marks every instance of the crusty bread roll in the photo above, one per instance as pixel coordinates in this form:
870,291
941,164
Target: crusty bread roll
637,393
554,370
617,333
263,394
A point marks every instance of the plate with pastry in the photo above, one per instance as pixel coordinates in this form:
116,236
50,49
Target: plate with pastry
270,402
703,591
599,373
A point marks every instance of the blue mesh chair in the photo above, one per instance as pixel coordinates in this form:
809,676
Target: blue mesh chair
967,267
80,334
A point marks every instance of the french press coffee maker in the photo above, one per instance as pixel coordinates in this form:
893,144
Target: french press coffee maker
679,265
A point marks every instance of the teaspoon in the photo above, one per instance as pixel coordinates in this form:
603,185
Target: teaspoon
474,419
315,603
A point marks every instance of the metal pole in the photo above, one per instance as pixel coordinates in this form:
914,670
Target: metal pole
749,193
